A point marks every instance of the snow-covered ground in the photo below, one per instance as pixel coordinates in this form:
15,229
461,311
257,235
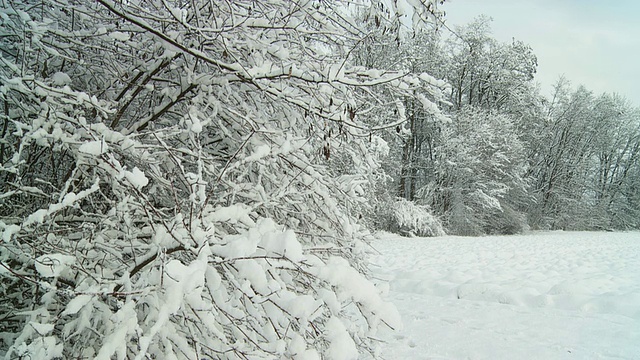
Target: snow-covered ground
552,295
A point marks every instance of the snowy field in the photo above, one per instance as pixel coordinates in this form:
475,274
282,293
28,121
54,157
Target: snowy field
553,295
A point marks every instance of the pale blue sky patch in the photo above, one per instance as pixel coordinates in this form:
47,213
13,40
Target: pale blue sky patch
593,43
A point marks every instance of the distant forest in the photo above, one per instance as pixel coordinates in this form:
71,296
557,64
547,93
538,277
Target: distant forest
500,157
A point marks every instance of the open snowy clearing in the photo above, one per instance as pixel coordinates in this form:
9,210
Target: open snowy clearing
553,295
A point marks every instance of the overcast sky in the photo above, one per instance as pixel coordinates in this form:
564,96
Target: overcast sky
595,43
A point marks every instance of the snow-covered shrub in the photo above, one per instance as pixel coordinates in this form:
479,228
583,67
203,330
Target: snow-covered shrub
164,187
410,218
509,221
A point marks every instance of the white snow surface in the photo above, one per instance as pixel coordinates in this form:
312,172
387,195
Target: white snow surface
52,265
136,177
120,36
549,295
97,147
60,79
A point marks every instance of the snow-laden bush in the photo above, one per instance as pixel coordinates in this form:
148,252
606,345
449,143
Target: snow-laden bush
412,219
108,271
508,221
165,185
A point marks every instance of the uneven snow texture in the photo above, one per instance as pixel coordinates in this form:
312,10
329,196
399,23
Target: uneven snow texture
554,295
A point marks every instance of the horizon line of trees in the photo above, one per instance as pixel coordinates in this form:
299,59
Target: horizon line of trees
501,157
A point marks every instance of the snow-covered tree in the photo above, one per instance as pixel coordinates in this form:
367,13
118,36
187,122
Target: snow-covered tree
484,72
411,141
616,164
167,187
582,157
479,175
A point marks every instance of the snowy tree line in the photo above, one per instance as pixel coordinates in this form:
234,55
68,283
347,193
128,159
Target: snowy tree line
506,158
189,179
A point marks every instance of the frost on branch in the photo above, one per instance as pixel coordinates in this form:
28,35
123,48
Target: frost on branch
169,180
